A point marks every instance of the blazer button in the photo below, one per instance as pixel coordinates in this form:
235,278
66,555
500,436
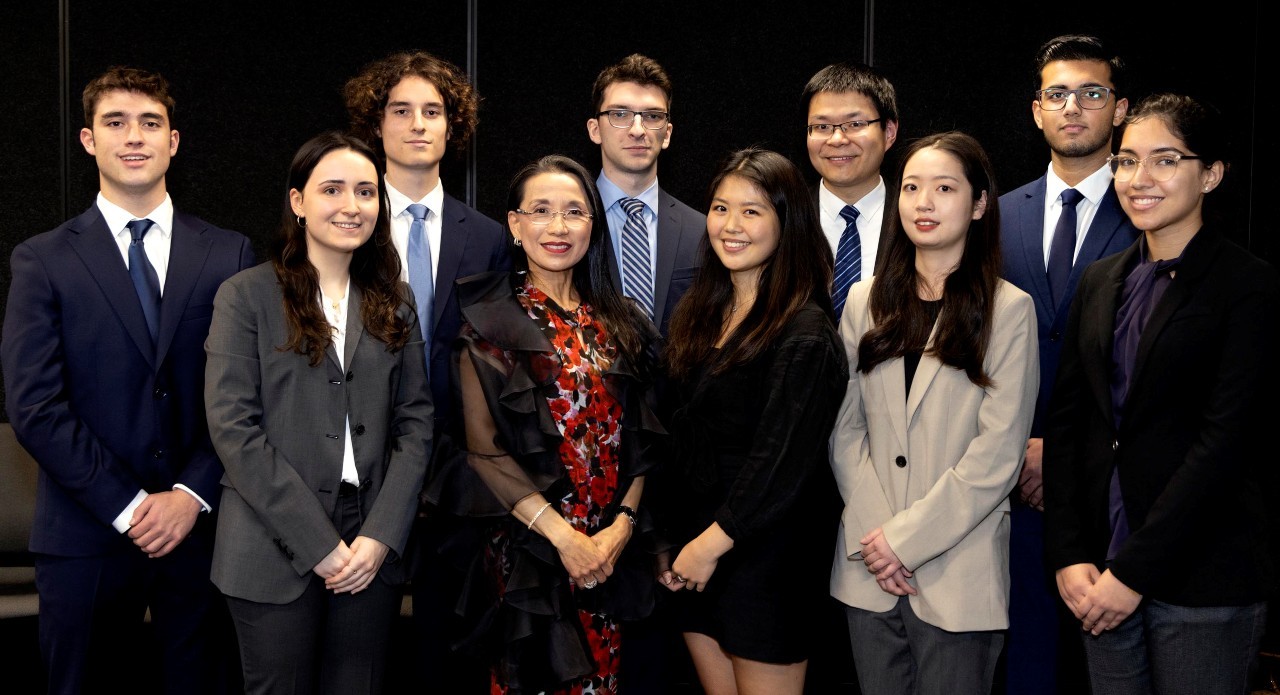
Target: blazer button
359,430
159,393
1055,337
901,461
351,375
158,453
1115,445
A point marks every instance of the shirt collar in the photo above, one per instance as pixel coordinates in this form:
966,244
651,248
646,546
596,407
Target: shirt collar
610,193
831,204
399,202
117,217
1093,187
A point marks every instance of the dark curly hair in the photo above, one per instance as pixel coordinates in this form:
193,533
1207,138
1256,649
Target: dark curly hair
366,96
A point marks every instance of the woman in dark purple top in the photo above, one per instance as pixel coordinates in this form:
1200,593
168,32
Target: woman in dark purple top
1157,454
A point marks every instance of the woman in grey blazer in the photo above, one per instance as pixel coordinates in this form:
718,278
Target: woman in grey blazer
943,377
318,406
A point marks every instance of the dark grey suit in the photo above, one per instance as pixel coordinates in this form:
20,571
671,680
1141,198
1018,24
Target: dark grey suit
278,425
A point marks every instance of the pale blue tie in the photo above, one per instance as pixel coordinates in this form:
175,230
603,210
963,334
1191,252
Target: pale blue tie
421,278
848,259
145,280
637,270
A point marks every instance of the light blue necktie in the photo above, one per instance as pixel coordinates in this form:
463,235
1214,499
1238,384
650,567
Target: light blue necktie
848,259
145,280
637,273
421,278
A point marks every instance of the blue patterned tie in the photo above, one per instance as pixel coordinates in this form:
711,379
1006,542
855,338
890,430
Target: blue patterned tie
421,278
848,259
1062,249
143,274
637,274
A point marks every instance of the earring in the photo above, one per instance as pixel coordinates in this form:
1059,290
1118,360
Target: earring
518,242
302,222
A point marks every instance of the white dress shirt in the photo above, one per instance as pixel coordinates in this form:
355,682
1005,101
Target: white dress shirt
1092,188
870,215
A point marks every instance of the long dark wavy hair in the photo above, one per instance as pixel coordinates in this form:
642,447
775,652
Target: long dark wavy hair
622,319
798,272
902,322
375,265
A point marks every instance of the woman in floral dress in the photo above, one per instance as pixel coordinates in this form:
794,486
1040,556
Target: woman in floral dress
553,368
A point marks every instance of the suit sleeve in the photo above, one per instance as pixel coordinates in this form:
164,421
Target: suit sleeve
1065,485
34,362
260,474
860,487
408,448
985,474
203,473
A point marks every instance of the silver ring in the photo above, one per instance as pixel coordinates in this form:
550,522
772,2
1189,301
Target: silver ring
590,585
680,579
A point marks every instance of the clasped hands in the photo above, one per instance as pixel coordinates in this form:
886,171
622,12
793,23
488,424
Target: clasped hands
1099,601
352,568
162,520
589,560
884,564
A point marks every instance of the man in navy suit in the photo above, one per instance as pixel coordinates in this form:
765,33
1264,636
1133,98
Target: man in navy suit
653,238
1051,229
413,107
103,356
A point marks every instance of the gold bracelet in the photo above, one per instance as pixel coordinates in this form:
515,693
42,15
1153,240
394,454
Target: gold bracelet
534,520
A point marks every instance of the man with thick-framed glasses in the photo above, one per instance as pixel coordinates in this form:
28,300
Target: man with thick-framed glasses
1050,229
852,120
653,237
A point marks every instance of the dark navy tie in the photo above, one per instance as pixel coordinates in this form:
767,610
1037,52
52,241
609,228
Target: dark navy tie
848,259
1062,249
144,277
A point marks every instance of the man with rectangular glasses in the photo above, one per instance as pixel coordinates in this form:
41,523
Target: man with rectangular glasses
852,113
653,237
1050,229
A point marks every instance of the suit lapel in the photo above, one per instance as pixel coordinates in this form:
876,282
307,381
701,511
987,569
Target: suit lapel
1106,223
1031,219
893,390
93,243
1102,327
187,255
925,372
355,326
454,235
665,263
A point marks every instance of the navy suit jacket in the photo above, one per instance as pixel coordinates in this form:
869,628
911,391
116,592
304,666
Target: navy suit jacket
681,230
1021,241
470,243
100,409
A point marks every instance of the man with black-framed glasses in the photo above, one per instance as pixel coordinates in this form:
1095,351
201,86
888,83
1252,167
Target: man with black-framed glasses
1050,229
852,120
653,238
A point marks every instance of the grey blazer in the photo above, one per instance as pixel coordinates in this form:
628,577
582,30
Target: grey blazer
277,424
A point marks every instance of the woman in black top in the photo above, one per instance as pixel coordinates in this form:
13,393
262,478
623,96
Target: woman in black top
760,374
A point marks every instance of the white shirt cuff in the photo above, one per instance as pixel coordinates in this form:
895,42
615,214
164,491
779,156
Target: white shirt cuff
121,524
204,506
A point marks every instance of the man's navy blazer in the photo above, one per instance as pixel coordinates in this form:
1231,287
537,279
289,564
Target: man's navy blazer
470,243
1021,241
103,411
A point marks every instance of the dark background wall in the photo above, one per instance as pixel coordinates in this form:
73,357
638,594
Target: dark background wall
253,80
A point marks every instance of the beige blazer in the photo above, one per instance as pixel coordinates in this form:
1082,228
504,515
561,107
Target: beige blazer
934,468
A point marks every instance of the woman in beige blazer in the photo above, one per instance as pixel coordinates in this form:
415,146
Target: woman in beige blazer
929,439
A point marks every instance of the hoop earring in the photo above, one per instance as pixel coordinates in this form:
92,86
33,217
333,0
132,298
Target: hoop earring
302,221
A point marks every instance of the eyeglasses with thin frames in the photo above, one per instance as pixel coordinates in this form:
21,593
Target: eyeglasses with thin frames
1160,166
823,131
1092,98
573,217
625,118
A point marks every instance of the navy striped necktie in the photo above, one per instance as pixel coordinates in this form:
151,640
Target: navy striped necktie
848,259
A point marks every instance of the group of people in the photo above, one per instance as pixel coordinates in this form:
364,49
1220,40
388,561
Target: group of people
616,414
